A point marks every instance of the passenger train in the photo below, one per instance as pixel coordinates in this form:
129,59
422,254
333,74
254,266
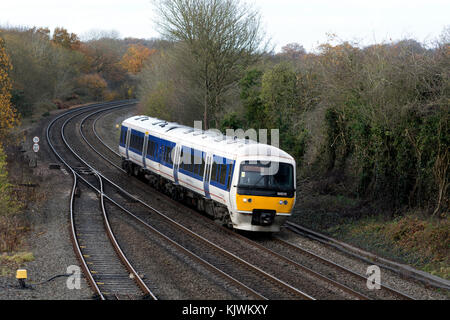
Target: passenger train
241,183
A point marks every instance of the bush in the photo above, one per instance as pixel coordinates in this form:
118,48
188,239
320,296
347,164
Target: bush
10,226
7,204
376,117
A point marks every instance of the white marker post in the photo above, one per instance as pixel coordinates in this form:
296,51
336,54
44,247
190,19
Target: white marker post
35,149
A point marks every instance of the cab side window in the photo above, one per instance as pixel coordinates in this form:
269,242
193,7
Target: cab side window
123,136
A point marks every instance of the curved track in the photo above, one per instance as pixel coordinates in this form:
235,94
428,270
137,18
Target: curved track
236,260
343,278
107,270
271,285
385,289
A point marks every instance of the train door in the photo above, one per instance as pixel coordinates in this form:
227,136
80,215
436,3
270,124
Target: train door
144,151
232,180
127,146
176,159
207,175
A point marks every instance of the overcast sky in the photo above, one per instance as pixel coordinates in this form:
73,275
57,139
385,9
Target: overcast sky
285,21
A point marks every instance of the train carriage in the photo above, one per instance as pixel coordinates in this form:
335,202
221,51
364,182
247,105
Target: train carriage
244,184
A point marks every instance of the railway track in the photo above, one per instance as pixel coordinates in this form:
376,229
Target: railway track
93,276
113,154
258,275
385,289
291,252
257,282
106,268
343,274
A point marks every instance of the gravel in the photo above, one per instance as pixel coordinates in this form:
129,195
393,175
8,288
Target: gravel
48,239
168,272
416,290
394,280
50,244
203,228
173,275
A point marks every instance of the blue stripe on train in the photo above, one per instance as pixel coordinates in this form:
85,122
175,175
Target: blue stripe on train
158,156
229,175
161,144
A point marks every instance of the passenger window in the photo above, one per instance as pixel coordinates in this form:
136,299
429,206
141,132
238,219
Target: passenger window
158,151
194,167
230,175
122,135
188,159
192,161
140,144
136,142
181,159
132,144
168,155
214,172
197,163
150,147
223,174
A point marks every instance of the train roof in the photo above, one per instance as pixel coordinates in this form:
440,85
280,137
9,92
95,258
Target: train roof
211,139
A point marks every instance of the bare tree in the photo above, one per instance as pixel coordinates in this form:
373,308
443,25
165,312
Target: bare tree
221,36
293,51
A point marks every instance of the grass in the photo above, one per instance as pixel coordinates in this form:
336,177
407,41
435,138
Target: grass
9,263
12,232
17,258
420,242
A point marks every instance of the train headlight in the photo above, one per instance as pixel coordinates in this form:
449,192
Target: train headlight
245,199
281,201
285,202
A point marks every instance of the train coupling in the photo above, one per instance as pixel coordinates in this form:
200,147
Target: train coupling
263,217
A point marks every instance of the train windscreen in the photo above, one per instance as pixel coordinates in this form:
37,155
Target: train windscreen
266,178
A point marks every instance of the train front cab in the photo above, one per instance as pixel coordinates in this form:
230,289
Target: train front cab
262,194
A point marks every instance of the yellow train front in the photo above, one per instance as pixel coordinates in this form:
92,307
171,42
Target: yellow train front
263,192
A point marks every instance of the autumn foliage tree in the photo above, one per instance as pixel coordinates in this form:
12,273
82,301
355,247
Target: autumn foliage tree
55,69
65,39
8,115
8,119
133,60
94,85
